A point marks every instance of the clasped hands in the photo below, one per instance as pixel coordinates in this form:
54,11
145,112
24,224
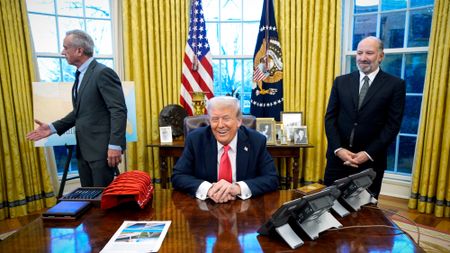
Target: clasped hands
223,191
352,159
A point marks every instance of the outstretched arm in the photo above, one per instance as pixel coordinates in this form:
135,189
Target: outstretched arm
39,133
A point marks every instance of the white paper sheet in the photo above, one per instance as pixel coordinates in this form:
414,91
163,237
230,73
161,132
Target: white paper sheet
138,236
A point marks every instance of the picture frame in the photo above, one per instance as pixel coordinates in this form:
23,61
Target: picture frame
290,120
165,134
279,132
266,126
300,135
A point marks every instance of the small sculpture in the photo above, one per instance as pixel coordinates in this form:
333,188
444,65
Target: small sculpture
173,115
198,101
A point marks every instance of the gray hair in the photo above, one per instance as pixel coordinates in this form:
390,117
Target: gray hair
82,39
222,102
380,43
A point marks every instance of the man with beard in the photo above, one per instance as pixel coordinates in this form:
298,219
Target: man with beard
363,117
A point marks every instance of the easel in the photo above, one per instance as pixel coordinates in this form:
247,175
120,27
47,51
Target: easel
66,170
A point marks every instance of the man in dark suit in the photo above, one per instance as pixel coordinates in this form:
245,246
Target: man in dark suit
199,170
363,117
99,113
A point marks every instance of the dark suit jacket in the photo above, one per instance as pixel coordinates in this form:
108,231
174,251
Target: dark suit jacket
99,113
198,163
375,124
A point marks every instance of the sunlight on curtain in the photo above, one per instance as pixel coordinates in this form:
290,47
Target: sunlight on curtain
155,35
310,36
24,182
431,186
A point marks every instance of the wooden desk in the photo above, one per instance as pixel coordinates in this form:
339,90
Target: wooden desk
175,150
223,228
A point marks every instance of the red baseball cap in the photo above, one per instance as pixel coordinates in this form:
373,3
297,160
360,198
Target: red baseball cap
129,186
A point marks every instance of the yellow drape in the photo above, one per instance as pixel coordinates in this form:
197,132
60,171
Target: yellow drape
155,35
310,36
431,174
24,182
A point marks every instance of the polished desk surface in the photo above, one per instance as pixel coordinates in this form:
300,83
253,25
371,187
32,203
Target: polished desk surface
180,144
175,149
202,226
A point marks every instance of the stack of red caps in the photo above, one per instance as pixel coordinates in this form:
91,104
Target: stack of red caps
129,186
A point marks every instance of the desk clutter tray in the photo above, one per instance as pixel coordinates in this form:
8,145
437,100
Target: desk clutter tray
91,194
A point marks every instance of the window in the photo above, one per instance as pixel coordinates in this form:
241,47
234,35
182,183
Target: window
49,22
232,28
404,26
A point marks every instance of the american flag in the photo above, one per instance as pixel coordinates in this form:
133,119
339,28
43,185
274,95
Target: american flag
197,74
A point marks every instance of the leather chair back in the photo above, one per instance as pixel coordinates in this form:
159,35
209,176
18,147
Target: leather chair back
193,122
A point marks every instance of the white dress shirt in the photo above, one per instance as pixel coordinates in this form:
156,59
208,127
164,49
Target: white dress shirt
202,191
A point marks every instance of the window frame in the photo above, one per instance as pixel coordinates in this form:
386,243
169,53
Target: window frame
241,57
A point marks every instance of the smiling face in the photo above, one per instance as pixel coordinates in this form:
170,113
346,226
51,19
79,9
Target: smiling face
369,55
224,123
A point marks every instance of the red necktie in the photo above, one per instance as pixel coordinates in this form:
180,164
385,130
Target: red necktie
225,165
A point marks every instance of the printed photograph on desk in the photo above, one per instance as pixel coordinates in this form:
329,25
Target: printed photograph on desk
138,236
165,134
279,133
300,136
266,126
290,120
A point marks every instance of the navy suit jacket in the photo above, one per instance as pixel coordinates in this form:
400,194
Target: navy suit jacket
375,124
198,163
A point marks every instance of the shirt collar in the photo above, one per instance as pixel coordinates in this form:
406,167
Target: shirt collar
371,75
85,65
232,144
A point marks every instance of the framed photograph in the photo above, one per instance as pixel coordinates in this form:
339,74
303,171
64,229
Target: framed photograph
300,135
279,132
290,120
165,134
266,126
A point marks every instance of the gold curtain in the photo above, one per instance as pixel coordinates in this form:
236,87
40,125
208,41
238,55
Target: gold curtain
431,174
154,39
24,181
310,36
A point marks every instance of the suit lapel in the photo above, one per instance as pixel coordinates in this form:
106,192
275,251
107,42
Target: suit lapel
376,85
355,88
73,95
211,157
242,155
85,80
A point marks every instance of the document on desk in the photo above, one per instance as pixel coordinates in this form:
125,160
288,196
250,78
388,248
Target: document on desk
138,236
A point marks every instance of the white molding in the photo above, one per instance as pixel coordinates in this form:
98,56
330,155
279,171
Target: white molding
398,186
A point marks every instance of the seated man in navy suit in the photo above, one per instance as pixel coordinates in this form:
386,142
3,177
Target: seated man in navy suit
225,160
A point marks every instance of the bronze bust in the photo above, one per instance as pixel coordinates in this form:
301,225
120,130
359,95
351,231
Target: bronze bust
173,115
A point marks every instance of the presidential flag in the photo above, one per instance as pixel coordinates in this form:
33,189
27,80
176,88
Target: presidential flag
197,74
267,90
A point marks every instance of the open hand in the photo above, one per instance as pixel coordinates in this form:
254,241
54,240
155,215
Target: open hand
41,132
